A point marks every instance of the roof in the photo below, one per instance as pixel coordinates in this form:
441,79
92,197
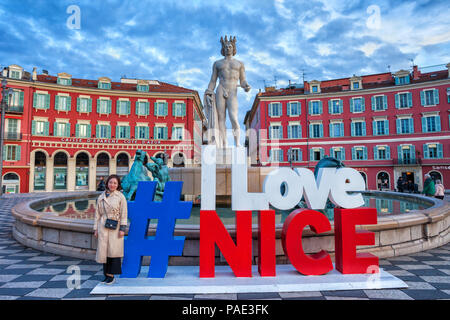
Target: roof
84,83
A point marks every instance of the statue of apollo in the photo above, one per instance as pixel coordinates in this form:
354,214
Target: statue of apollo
229,71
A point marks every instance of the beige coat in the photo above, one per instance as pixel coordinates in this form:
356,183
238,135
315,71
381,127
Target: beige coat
108,242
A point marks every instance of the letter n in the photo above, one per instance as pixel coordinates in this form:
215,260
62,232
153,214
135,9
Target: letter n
212,232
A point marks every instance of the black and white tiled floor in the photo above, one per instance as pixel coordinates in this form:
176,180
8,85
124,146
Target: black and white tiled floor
30,274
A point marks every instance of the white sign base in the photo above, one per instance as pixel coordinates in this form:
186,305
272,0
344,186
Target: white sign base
186,280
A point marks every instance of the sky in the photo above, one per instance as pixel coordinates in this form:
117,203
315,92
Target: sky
178,41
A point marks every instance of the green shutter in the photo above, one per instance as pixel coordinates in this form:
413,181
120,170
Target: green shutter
34,99
127,129
425,151
155,108
385,106
69,103
88,132
436,96
97,131
55,129
397,100
128,107
166,108
21,98
351,105
410,103
375,153
77,130
117,132
56,102
136,132
147,132
372,99
67,130
78,104
33,127
17,152
47,101
109,132
109,108
440,153
422,98
166,134
155,133
90,105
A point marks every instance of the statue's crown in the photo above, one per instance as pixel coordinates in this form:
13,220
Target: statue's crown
232,40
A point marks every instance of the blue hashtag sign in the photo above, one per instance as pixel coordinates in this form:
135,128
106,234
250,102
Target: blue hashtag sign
163,244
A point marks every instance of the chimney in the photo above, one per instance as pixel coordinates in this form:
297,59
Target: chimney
448,67
416,73
34,73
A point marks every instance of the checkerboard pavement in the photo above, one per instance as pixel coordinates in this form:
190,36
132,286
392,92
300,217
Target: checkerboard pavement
31,274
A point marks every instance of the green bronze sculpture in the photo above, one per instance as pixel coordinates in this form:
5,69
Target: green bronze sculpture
139,172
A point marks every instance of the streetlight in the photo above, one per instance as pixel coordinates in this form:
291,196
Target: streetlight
5,94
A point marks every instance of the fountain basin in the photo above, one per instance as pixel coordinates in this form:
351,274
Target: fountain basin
395,234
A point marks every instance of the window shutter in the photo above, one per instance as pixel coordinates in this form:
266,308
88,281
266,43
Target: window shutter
363,104
410,103
438,123
351,107
330,133
21,98
88,133
397,100
320,107
399,152
17,153
78,104
425,151
385,106
117,132
386,127
108,132
47,101
147,132
341,106
388,152
288,109
166,108
375,153
311,154
269,106
353,153
399,126
436,96
128,133
89,105
342,129
353,129
321,130
34,99
155,108
128,107
109,103
98,105
174,111
33,127
422,98
440,153
97,131
136,132
330,107
373,102
365,153
77,130
411,125
374,128
424,124
155,133
310,107
397,81
412,151
55,129
69,103
166,133
67,130
183,109
57,103
289,133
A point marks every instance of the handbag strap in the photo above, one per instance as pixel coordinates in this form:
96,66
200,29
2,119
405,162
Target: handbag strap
117,216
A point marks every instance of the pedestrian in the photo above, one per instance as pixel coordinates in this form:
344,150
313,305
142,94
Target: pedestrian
410,186
400,184
439,190
101,185
428,186
111,207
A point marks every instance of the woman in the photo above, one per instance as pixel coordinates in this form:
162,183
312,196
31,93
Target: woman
111,204
428,186
439,190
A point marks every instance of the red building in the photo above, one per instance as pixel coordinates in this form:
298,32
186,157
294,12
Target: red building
384,125
64,133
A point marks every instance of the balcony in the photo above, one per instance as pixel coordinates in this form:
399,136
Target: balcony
13,136
14,109
408,162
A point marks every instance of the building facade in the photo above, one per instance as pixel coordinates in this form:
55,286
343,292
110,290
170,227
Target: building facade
64,134
386,126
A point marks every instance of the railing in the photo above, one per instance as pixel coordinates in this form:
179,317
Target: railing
13,136
14,109
413,161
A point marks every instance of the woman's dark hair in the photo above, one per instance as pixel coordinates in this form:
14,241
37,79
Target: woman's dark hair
113,176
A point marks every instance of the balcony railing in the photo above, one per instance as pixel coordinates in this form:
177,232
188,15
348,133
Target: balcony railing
13,136
413,161
14,109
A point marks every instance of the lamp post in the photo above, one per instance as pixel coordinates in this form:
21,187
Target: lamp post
5,94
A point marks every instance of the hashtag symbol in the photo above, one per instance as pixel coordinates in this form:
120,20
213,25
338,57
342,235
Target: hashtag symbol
163,244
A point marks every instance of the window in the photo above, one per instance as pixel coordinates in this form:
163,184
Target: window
405,125
83,130
103,131
275,109
357,105
336,129
338,153
40,128
142,108
64,81
11,152
380,127
275,132
62,103
142,132
358,128
381,153
359,153
41,101
161,108
315,89
123,107
276,155
12,125
160,133
406,154
315,107
294,131
61,129
431,124
335,106
355,85
142,88
293,109
179,109
122,132
16,99
316,130
403,100
104,85
103,106
379,103
433,151
295,155
316,154
177,133
429,97
84,105
15,74
401,80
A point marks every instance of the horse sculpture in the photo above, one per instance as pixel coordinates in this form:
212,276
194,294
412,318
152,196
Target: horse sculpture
160,174
137,173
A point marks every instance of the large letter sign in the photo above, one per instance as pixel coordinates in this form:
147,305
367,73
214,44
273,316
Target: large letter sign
334,184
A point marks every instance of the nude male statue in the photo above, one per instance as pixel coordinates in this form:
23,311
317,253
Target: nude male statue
229,71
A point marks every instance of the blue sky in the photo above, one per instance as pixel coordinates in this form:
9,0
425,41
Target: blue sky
177,41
